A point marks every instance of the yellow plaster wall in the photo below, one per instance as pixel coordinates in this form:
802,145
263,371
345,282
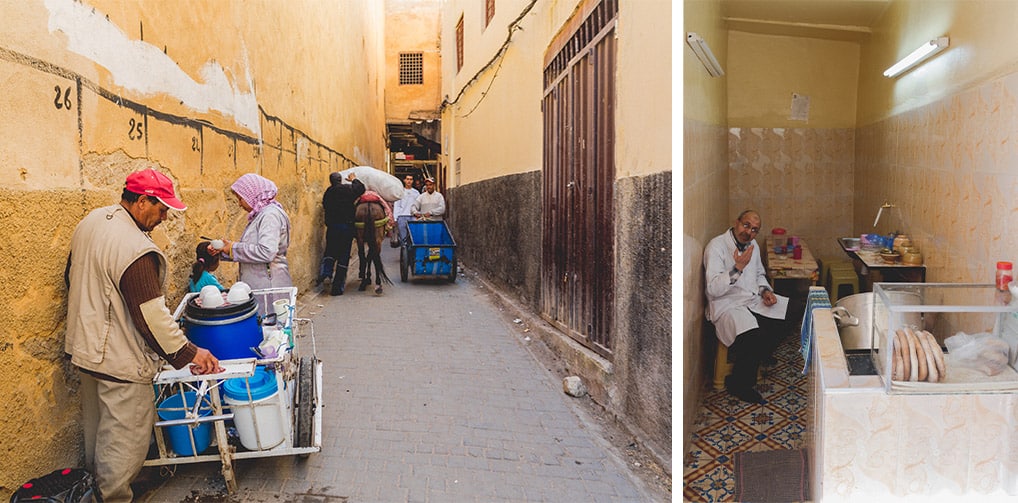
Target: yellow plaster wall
204,91
488,124
706,97
938,141
705,177
765,70
643,110
984,45
412,26
491,124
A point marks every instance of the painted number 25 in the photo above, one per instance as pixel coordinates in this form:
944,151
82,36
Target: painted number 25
137,130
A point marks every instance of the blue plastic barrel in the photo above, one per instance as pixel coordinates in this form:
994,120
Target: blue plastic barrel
228,331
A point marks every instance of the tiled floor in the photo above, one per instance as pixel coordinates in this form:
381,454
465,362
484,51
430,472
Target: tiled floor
726,425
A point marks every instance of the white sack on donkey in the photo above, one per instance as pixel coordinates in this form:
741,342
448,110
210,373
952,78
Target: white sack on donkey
386,185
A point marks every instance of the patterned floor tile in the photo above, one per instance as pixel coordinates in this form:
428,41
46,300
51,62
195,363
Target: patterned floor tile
716,483
726,425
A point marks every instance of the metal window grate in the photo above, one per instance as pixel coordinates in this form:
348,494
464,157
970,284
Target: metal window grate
459,44
489,11
411,68
603,15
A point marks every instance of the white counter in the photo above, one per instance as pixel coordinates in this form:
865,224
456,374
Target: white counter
870,445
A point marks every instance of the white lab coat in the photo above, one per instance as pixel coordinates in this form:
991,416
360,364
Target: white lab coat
727,303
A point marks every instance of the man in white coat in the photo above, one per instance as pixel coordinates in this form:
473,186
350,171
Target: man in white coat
430,205
736,287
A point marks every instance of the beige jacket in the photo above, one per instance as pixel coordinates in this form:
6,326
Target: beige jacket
101,336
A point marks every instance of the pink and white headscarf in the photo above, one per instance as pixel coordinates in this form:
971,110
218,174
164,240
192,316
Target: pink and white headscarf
257,191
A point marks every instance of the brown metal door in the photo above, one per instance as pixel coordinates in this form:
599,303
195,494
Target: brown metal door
579,176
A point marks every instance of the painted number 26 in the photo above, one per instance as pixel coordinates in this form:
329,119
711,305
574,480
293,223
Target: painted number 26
62,102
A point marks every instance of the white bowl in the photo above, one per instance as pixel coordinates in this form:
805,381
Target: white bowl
238,295
240,285
210,297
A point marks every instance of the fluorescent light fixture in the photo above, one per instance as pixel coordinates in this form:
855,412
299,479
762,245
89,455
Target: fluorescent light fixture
704,54
919,55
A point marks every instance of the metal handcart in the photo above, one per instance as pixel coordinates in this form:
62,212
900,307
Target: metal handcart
262,406
429,250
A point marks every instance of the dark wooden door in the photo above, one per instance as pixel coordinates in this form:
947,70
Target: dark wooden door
579,177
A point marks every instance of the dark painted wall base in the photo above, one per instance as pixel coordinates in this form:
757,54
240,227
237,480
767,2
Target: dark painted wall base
497,227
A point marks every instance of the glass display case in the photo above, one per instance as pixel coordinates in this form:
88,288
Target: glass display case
945,338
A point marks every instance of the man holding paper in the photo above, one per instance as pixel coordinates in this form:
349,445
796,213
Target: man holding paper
747,315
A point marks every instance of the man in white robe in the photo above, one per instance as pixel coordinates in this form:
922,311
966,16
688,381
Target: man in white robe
736,285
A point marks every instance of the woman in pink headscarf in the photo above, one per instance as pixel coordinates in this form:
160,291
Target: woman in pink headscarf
261,250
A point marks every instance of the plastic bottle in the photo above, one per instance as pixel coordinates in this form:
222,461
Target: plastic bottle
1004,275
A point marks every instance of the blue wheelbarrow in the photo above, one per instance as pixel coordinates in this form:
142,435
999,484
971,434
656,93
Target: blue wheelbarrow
429,251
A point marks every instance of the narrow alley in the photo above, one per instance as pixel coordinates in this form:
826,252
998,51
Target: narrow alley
431,395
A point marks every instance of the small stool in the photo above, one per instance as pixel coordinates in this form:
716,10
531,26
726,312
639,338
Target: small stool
838,267
827,264
840,278
722,368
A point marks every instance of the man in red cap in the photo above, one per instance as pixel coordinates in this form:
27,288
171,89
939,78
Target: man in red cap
119,328
430,205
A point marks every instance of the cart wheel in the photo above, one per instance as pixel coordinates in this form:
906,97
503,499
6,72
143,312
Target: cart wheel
403,264
305,401
452,273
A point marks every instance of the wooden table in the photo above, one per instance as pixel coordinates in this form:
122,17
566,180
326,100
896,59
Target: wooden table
785,267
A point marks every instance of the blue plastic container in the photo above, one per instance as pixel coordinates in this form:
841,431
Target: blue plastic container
432,248
228,331
180,435
263,385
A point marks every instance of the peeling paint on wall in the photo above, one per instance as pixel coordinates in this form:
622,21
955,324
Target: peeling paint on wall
147,70
72,134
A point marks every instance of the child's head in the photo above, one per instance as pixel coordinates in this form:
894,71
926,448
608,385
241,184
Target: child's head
203,259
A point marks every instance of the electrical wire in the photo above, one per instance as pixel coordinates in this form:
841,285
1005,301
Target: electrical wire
499,55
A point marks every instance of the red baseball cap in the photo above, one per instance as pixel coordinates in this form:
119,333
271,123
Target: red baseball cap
150,182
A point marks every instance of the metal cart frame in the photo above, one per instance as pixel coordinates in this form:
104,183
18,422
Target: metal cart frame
299,397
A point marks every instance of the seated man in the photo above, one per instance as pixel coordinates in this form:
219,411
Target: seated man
736,284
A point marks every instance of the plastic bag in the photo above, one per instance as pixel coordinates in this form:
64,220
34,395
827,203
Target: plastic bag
386,185
982,352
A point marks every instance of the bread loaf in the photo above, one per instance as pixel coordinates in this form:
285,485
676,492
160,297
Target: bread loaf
906,363
923,371
897,365
931,365
913,361
938,355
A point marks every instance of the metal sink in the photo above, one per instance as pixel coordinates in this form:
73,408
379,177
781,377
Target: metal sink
849,243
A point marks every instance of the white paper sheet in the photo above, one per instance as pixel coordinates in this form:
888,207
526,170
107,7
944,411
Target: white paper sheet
776,311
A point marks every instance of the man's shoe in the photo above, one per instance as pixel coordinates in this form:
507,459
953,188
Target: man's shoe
769,361
746,395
